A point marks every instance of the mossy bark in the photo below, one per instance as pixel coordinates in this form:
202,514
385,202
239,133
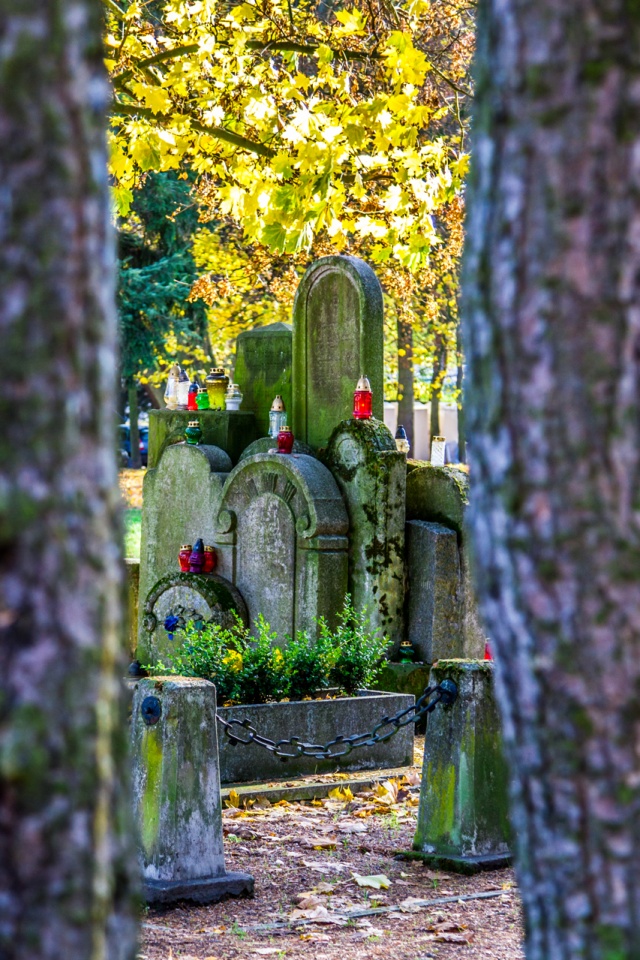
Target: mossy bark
551,294
65,865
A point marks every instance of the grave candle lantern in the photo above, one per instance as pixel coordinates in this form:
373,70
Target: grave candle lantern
209,559
202,399
183,556
285,440
192,396
217,384
277,417
183,390
437,451
196,560
402,441
233,398
193,433
171,391
363,400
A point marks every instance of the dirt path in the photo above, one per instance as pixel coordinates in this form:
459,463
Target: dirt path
306,859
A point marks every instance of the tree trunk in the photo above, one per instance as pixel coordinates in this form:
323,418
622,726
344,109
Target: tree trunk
65,842
552,325
405,377
134,433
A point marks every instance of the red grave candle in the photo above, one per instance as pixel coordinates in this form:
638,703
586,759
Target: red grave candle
209,559
183,556
192,399
363,400
285,440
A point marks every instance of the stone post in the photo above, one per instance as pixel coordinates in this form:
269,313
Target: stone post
176,786
371,475
434,601
463,813
338,335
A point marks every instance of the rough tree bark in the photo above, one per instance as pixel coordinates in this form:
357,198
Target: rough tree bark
65,848
552,321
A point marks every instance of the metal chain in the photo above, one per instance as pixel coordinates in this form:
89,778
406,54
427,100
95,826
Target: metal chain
446,693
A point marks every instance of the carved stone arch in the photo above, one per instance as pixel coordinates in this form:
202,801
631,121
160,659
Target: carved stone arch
282,541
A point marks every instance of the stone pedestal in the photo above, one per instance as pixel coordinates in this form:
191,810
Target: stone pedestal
176,786
230,430
463,814
371,475
263,369
338,335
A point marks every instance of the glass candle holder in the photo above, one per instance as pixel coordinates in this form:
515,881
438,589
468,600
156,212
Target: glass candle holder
363,400
196,560
183,556
192,396
209,559
216,383
183,391
402,441
277,417
171,390
437,451
285,440
233,398
193,433
202,399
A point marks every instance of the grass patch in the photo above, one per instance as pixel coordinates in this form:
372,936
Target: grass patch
132,528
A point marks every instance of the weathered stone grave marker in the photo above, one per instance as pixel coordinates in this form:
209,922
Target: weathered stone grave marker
337,336
282,540
263,369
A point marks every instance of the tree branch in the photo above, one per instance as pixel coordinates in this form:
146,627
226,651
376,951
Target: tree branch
218,133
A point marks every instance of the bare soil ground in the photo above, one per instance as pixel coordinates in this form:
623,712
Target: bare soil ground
316,862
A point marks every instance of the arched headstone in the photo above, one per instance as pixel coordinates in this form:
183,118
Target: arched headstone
338,335
282,540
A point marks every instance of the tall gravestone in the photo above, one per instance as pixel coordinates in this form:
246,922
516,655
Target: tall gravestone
338,335
371,474
263,370
282,540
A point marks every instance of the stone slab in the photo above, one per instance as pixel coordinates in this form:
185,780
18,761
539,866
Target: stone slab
468,866
208,890
338,335
269,445
263,370
315,721
229,430
305,788
435,604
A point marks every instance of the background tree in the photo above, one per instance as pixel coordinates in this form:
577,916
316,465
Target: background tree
65,847
317,130
553,346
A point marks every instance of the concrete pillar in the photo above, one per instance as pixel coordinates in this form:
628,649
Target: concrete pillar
176,788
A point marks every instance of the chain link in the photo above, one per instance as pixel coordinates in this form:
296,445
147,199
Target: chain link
445,693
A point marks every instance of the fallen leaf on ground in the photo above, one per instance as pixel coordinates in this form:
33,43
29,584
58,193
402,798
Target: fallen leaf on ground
341,793
325,866
316,937
267,951
233,799
350,827
318,915
454,938
320,843
377,881
411,905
